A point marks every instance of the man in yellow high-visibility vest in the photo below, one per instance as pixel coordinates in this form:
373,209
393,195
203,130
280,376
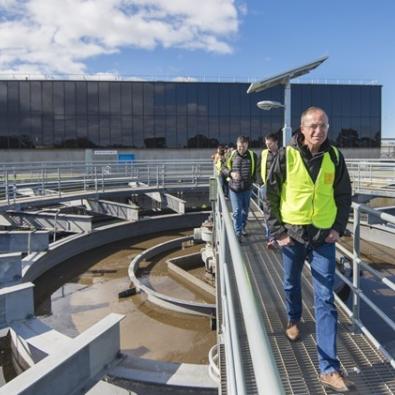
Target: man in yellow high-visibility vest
241,171
265,162
308,203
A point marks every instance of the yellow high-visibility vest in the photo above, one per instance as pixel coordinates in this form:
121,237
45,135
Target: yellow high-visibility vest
230,160
304,202
218,166
264,155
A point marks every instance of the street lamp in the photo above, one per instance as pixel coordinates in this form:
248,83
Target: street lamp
285,80
268,105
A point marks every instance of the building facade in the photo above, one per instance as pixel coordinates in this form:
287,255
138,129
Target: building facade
47,114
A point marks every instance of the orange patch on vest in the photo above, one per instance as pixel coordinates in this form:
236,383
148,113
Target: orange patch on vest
329,178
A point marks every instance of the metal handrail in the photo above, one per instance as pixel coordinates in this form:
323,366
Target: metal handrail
16,183
230,257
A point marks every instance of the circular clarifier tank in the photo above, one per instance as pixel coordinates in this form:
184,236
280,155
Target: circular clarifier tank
85,288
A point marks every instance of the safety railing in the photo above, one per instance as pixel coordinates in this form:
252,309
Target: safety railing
17,182
375,177
357,264
231,260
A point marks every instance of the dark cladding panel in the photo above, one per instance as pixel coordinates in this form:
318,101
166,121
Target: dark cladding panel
224,130
69,93
202,99
24,96
375,101
70,132
171,131
116,132
345,99
93,97
47,89
138,131
127,131
105,137
159,99
81,98
3,97
148,98
36,102
171,100
235,100
59,131
224,100
82,131
181,97
213,100
58,94
213,128
235,129
126,98
93,130
182,131
138,98
115,97
104,98
48,131
13,97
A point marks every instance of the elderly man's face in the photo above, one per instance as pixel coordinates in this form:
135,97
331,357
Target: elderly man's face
242,147
315,128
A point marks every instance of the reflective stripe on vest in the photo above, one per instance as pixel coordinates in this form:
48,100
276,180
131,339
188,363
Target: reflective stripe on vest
230,160
304,202
264,156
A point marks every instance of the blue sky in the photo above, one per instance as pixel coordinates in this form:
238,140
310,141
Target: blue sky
181,38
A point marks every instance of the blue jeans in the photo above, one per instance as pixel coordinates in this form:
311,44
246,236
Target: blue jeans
240,206
262,201
323,264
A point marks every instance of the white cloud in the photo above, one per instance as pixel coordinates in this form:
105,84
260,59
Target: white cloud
48,36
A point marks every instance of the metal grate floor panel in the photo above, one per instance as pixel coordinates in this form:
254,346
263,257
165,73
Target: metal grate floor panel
297,362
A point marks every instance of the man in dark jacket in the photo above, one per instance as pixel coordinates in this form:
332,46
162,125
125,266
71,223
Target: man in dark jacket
309,199
265,162
240,170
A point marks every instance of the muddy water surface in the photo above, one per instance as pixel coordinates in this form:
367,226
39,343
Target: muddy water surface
85,289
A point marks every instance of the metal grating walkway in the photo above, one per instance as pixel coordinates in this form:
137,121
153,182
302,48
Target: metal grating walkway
297,362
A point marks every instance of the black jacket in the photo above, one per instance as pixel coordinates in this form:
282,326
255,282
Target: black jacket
307,234
241,164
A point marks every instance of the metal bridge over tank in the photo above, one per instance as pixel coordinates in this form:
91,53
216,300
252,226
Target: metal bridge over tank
252,355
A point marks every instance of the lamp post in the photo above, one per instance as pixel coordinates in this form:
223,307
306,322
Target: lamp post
269,104
285,80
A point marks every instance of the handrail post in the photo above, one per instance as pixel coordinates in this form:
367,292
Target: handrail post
163,175
7,195
95,179
356,274
59,185
42,181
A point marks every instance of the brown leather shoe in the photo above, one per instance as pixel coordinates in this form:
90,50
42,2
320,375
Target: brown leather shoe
336,381
293,331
